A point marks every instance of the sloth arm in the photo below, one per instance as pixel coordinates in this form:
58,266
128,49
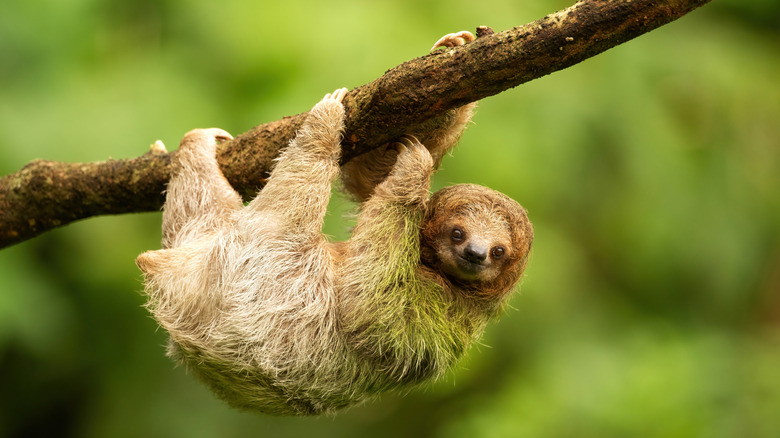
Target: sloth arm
439,135
393,315
385,246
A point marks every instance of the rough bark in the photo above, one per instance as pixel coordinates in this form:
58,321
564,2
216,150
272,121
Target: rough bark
44,194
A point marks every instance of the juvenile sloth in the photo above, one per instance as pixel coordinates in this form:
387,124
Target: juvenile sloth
273,317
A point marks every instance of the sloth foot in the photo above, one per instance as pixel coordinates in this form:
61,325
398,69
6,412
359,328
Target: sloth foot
337,95
204,139
219,135
454,39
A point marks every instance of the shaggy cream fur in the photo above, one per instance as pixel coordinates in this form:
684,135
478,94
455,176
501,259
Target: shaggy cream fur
274,318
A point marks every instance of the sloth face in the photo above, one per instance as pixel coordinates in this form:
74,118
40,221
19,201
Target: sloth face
477,237
473,248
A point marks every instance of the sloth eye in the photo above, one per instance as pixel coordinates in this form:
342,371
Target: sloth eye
497,252
457,235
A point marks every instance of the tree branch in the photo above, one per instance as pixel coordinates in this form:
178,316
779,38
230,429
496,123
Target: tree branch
45,194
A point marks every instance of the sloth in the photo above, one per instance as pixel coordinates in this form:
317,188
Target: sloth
273,317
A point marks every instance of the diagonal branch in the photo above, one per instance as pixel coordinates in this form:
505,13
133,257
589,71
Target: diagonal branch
45,194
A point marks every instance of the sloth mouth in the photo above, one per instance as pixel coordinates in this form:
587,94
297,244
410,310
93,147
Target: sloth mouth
466,270
468,266
458,267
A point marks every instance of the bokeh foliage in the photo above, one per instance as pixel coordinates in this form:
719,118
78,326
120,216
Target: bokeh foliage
651,306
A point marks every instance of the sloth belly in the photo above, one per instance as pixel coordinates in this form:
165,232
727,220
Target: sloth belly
271,341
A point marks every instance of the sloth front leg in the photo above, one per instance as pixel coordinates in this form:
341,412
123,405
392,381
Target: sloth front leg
198,200
410,178
439,135
394,212
298,189
442,133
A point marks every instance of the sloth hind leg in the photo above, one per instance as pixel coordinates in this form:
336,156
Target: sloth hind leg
297,193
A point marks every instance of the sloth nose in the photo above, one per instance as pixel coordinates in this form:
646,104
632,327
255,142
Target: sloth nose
475,254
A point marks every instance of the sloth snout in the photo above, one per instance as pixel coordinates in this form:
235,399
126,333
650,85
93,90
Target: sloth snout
475,253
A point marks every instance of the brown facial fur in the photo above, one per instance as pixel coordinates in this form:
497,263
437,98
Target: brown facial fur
489,216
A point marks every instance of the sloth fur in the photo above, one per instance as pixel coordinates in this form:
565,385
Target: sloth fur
273,317
262,308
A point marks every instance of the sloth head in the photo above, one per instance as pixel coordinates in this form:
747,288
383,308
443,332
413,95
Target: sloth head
477,238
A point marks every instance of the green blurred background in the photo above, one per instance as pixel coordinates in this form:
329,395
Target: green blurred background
651,306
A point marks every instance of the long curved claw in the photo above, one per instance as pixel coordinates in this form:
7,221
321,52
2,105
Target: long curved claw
158,148
454,39
219,135
337,95
404,142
